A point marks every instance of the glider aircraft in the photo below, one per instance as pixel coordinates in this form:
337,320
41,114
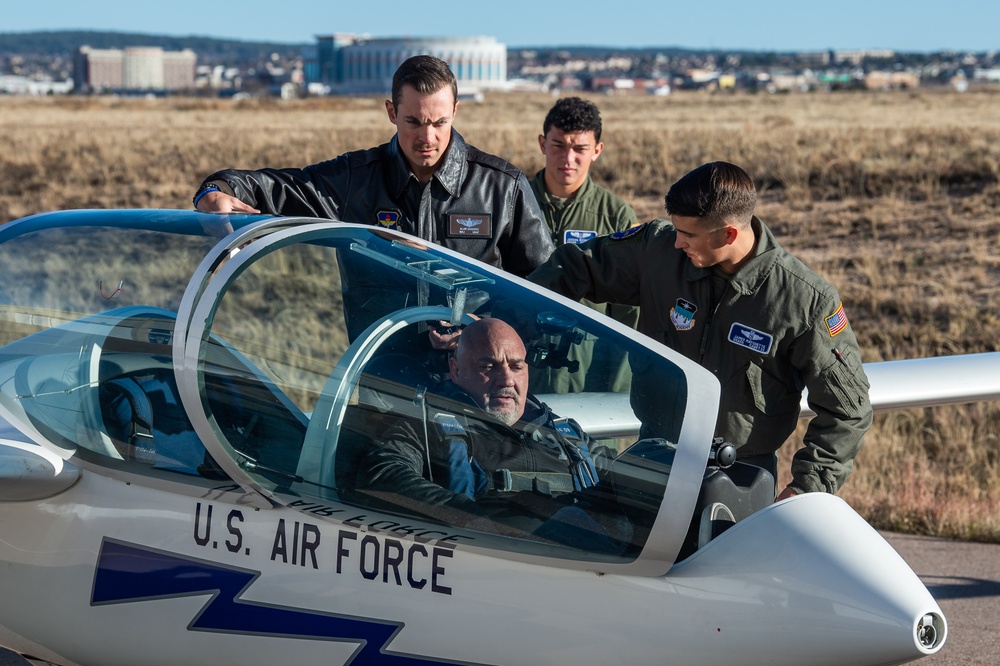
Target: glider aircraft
186,406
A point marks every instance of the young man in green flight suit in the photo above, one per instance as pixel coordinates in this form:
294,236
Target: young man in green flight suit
714,284
577,209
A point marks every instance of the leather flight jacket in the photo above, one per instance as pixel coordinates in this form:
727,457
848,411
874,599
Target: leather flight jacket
476,203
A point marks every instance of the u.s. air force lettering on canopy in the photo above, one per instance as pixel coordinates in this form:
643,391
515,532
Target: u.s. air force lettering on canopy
463,225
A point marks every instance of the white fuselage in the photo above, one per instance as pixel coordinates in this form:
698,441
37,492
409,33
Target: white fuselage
778,587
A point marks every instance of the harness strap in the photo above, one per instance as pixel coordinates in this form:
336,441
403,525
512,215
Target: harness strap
546,483
140,434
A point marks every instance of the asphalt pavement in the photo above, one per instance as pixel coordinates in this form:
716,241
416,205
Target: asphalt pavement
964,578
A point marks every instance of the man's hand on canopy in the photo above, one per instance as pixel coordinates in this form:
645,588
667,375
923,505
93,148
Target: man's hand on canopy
220,202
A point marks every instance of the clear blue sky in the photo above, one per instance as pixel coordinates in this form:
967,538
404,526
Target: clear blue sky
759,25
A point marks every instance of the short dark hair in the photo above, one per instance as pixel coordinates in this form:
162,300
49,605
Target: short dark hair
426,74
717,192
572,115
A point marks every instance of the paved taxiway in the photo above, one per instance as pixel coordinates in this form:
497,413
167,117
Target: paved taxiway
963,577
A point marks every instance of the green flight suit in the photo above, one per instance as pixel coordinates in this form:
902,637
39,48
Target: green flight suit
591,211
768,331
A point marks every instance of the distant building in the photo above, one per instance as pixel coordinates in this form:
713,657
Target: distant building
856,57
991,75
178,69
22,85
813,58
135,68
727,82
627,86
882,80
97,69
142,68
788,81
352,64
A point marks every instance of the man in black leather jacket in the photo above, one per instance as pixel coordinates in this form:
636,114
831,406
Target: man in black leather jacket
426,182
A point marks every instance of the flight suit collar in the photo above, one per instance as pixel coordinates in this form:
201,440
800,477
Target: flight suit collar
450,174
536,413
580,195
752,274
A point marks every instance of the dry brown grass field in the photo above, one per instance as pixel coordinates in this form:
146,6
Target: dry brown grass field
894,197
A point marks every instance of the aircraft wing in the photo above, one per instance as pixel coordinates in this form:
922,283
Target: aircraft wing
30,472
919,382
927,382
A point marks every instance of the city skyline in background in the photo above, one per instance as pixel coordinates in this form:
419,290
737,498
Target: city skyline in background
783,25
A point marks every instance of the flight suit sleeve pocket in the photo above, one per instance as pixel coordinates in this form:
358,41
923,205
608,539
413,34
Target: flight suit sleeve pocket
849,387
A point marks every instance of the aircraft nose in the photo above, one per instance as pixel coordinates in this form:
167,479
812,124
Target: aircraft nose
930,632
813,567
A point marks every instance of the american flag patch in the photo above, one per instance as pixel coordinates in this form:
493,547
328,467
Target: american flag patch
837,321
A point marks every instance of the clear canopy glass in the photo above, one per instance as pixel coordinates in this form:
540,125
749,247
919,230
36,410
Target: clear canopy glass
298,359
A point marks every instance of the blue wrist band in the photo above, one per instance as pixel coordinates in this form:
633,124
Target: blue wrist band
202,192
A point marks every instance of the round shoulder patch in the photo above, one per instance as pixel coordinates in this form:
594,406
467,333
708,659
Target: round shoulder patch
626,233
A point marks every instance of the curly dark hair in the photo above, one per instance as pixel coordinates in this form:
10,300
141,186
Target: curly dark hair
572,115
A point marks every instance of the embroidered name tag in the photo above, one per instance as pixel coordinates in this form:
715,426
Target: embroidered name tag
460,225
682,314
577,236
387,219
751,338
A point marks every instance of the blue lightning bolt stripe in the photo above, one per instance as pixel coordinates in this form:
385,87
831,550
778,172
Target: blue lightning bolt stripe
128,573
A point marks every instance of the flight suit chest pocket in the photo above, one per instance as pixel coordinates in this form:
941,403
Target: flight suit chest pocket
769,395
